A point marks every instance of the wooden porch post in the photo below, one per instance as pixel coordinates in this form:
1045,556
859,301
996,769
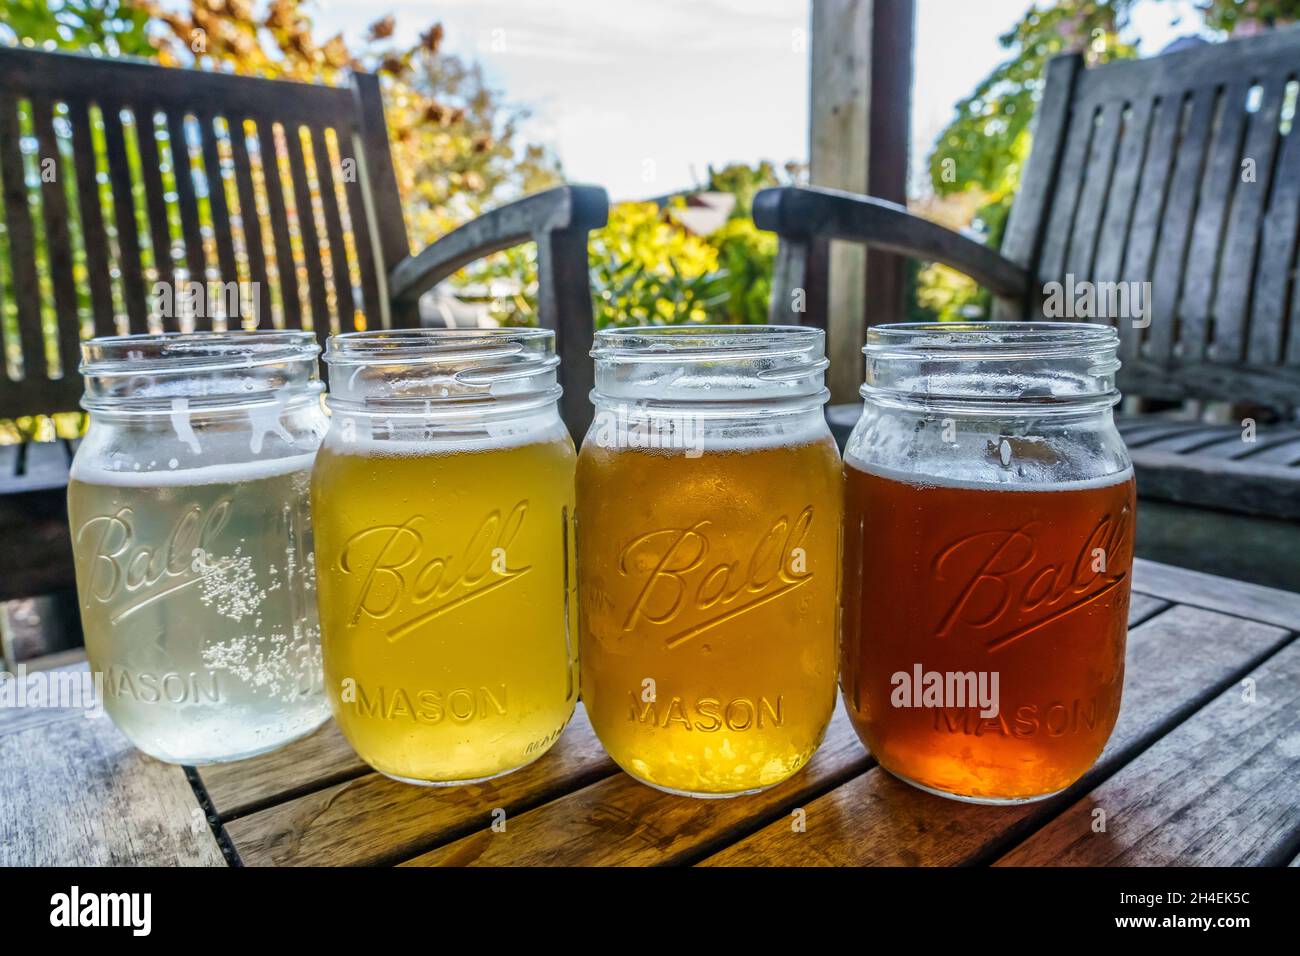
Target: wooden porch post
858,141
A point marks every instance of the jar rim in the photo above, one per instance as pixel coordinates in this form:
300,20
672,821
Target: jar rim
971,341
113,355
412,346
992,368
434,373
724,371
701,343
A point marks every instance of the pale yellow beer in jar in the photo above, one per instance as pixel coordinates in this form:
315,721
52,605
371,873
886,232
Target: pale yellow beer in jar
188,508
443,501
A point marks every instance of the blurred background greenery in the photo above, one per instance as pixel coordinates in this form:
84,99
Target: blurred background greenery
460,148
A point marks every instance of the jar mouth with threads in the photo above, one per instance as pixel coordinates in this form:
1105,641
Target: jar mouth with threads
715,371
443,374
207,371
1036,369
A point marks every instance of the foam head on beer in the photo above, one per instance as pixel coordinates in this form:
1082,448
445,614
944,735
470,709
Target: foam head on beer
988,543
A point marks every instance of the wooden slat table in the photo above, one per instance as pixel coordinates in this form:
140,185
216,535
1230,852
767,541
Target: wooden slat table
1203,768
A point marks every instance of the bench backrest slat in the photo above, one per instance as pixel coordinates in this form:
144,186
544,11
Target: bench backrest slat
1181,171
278,198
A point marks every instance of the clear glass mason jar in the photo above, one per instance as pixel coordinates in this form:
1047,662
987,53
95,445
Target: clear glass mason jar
443,501
988,550
190,527
708,546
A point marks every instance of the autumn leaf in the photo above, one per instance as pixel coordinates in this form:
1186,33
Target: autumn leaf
432,38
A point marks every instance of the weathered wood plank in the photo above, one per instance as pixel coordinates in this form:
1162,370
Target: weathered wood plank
340,275
1267,52
22,244
58,239
27,71
381,177
78,794
250,221
1028,217
1174,663
1233,446
621,822
218,208
1282,453
1245,488
1223,789
1066,191
1143,607
1251,601
186,198
1123,194
91,213
1157,169
1098,182
128,236
1135,426
15,719
1148,432
155,195
312,763
1273,274
268,150
840,155
1245,226
307,232
1176,224
9,460
1186,440
373,819
45,464
1217,190
374,291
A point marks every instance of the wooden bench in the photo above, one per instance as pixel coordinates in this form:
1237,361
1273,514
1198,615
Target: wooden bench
1203,768
256,153
1181,171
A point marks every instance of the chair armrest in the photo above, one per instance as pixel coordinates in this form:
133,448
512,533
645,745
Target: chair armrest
805,214
558,220
564,208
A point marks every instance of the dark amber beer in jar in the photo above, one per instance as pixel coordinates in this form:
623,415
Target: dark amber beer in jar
708,535
987,570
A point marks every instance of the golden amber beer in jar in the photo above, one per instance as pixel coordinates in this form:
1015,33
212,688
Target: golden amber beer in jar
443,501
988,549
708,537
188,506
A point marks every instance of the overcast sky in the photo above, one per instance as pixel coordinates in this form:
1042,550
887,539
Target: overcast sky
641,95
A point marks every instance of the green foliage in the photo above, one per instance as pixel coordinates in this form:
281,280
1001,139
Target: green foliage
987,143
1232,15
647,269
103,27
746,255
744,182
